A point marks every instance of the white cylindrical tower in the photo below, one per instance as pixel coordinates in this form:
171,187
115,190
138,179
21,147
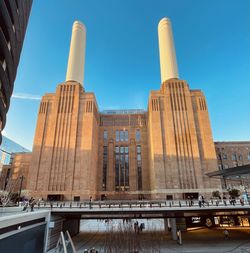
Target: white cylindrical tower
75,70
167,51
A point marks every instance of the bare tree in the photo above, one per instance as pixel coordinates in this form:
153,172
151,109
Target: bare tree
8,191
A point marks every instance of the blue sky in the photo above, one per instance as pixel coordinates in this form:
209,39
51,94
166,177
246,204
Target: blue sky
212,40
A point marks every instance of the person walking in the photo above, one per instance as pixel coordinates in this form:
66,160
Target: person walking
203,201
179,239
200,200
90,202
136,227
226,234
225,200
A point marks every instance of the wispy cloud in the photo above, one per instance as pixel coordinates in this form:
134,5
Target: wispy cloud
26,96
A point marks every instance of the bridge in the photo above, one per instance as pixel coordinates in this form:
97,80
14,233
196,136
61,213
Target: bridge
177,214
145,209
63,216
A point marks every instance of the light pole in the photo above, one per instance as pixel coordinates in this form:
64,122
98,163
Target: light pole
20,189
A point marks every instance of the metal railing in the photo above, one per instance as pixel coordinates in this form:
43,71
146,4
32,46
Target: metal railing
139,204
65,244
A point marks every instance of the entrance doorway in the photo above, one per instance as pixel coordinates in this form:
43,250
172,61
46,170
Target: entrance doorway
191,195
76,198
55,197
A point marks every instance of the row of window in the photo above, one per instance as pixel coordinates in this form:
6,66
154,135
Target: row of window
122,168
223,166
234,157
139,168
105,168
226,166
122,135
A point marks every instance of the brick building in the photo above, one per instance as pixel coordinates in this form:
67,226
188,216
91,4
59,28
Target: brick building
164,152
232,154
15,172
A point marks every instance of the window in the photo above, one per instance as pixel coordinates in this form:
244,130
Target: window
139,168
248,157
225,166
234,157
219,166
126,135
126,150
138,157
121,135
240,157
121,168
121,149
139,178
138,149
117,135
105,135
105,167
137,135
117,150
225,156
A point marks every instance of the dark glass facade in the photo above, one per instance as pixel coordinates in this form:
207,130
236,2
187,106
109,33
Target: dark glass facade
121,168
139,168
105,167
14,15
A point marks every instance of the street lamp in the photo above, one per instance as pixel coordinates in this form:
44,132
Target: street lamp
20,189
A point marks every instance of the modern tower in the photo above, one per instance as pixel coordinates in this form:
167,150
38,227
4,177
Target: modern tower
14,17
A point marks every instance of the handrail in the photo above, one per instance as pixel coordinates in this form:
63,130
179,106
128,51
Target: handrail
138,204
62,243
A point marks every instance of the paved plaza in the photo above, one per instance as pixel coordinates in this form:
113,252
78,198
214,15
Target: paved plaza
100,235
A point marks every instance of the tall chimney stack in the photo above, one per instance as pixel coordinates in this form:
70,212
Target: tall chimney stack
167,51
75,70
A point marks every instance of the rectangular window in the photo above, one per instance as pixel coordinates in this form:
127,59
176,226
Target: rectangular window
138,157
126,171
234,157
225,157
105,135
139,168
116,149
139,178
121,150
126,135
117,135
137,135
248,157
138,149
122,168
126,150
121,135
105,150
105,166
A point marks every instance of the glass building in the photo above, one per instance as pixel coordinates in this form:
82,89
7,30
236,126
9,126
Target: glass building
7,148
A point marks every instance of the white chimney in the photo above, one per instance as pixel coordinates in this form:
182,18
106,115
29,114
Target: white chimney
167,51
75,70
